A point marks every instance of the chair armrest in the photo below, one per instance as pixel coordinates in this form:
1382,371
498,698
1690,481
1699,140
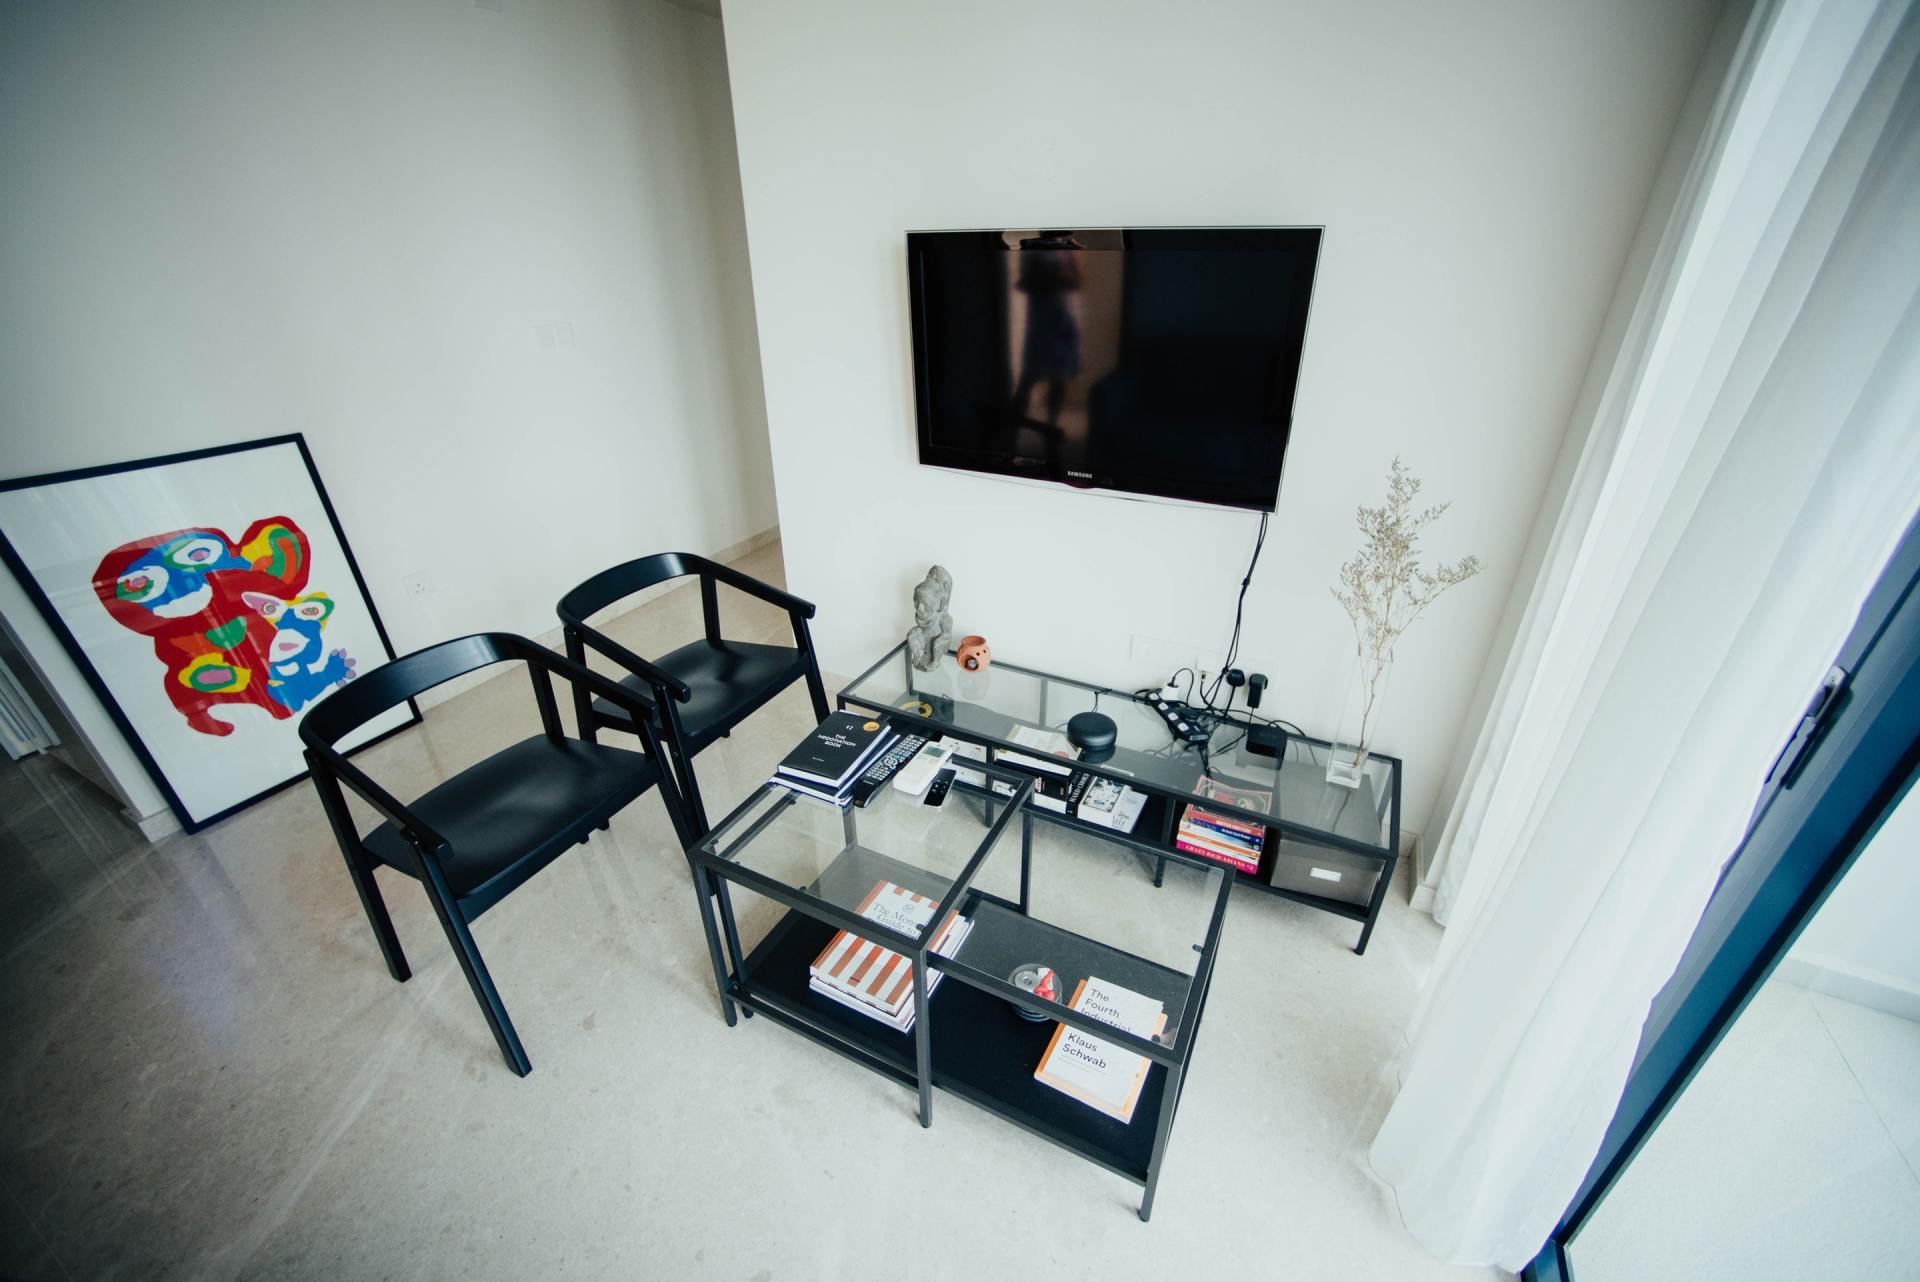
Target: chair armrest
659,677
580,674
753,587
383,802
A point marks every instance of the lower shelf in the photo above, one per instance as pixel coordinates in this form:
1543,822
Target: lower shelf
1154,819
982,1051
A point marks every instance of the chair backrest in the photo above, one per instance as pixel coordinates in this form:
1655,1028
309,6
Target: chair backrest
372,693
622,581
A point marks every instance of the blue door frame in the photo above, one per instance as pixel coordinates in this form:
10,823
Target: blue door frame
1843,772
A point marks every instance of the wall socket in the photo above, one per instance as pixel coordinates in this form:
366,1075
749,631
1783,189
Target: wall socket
415,584
1159,658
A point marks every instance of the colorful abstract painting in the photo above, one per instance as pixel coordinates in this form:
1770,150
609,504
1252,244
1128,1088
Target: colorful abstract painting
229,621
210,600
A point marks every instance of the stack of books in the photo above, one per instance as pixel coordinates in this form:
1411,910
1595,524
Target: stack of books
829,761
876,981
1225,838
1057,786
1098,1073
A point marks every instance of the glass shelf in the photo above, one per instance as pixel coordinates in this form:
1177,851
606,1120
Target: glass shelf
1036,894
1289,791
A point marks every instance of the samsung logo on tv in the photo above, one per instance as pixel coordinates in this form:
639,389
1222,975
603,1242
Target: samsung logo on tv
1085,476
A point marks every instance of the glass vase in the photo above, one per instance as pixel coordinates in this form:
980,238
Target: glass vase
1359,725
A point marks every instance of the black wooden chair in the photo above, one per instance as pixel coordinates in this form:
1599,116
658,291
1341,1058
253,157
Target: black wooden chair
704,689
476,838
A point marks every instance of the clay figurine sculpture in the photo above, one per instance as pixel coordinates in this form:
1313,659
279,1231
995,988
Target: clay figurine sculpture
932,630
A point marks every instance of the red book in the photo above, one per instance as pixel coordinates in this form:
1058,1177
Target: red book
1218,855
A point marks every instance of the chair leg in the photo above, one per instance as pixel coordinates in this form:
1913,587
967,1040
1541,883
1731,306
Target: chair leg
482,984
817,689
703,892
689,789
376,909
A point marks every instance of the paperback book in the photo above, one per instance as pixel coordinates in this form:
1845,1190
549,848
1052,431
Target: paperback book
1052,743
1224,838
1096,1072
1230,794
1108,803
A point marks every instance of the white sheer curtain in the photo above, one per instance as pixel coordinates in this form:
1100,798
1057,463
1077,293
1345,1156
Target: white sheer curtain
1753,460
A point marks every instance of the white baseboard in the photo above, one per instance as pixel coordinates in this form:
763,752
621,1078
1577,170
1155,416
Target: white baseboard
752,543
155,827
1413,856
1873,989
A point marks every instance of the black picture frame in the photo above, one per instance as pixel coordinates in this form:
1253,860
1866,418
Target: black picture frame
36,592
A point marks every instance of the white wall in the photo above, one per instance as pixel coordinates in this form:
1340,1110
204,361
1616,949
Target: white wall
1861,944
1479,168
223,221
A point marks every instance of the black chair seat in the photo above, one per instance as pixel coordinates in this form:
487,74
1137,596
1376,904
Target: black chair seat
729,679
518,810
471,841
700,691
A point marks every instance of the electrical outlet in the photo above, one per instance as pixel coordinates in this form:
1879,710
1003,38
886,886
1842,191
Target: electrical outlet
415,584
1159,658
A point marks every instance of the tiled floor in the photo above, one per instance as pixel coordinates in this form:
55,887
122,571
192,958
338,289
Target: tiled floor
207,1072
1791,1156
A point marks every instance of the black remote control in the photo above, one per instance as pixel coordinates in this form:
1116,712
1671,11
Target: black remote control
886,767
937,791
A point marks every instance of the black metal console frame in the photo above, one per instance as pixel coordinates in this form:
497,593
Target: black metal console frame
746,984
1158,845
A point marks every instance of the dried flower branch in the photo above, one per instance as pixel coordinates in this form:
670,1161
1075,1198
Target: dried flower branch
1385,588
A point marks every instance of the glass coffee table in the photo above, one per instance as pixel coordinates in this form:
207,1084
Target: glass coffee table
1042,906
1328,846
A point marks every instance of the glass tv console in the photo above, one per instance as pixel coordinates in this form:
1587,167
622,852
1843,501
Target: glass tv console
1331,847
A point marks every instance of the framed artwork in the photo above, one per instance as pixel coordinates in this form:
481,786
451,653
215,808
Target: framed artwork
210,599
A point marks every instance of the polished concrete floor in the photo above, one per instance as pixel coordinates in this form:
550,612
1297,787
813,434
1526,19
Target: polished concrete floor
207,1072
1794,1154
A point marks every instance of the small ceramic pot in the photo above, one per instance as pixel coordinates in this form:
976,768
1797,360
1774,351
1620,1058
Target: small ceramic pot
973,653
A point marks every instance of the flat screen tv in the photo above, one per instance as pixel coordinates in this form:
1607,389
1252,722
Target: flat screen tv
1148,361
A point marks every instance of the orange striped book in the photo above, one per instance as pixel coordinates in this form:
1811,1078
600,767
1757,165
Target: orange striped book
879,979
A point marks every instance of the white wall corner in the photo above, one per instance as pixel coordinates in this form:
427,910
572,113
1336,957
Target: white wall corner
1874,989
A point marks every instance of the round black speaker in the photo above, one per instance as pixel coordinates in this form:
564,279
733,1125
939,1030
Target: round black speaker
1093,733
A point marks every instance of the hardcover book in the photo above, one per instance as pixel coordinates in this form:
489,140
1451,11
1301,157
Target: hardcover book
875,980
